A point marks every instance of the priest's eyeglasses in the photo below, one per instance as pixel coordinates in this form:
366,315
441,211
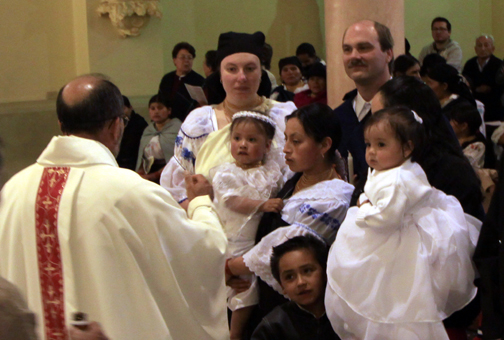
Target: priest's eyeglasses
125,120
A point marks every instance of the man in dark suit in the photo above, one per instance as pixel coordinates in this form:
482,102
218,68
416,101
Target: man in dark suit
367,57
481,72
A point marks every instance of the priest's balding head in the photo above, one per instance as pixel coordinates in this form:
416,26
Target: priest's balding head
90,106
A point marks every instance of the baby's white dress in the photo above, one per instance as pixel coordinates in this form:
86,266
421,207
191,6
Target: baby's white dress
401,264
317,210
260,183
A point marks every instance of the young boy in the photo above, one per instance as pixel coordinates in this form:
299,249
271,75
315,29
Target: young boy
299,265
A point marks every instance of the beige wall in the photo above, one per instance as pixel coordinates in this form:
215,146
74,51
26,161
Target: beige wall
286,24
36,48
45,43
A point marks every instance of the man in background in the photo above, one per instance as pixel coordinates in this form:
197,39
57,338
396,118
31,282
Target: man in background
481,72
443,45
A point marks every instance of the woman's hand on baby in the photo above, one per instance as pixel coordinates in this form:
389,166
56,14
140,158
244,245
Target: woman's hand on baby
272,205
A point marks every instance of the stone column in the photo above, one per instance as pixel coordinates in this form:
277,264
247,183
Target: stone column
339,14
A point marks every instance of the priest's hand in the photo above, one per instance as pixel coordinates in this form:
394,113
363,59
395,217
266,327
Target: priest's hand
92,332
197,185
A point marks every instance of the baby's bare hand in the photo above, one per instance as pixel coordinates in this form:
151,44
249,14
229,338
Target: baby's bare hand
272,205
359,204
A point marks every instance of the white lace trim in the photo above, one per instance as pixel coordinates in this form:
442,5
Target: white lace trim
258,258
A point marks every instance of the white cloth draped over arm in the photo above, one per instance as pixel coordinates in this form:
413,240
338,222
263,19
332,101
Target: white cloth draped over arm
258,258
191,136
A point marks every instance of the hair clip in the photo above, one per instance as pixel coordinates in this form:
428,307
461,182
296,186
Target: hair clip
254,115
417,117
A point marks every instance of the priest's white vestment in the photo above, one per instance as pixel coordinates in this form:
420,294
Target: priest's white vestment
77,233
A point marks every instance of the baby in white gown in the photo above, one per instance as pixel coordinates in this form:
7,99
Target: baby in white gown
401,262
242,191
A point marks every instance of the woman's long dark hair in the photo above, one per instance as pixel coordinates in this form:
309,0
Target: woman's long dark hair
319,122
403,63
415,95
444,73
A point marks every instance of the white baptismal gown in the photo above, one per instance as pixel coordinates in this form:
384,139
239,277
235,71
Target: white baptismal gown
401,264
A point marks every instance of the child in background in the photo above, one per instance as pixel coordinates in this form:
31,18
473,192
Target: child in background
466,121
158,140
401,262
243,190
299,266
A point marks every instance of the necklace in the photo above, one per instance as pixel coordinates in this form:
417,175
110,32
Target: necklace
307,181
230,109
248,166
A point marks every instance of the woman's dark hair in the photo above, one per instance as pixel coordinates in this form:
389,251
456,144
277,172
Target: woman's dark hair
155,99
444,73
266,56
211,60
403,63
317,70
429,62
126,101
319,122
264,127
403,124
463,112
419,97
306,48
316,246
183,46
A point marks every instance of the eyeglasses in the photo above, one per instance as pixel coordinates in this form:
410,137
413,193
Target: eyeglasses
125,120
440,29
186,57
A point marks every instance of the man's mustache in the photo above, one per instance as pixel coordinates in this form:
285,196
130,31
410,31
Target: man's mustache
357,62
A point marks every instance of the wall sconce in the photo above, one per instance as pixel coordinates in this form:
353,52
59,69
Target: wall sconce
129,16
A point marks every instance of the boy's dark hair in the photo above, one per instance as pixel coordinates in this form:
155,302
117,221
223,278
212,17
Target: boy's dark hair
267,129
403,124
464,112
441,19
183,46
319,122
306,48
317,246
211,60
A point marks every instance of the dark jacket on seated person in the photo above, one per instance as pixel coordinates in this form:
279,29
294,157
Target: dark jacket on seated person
289,321
128,152
174,94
